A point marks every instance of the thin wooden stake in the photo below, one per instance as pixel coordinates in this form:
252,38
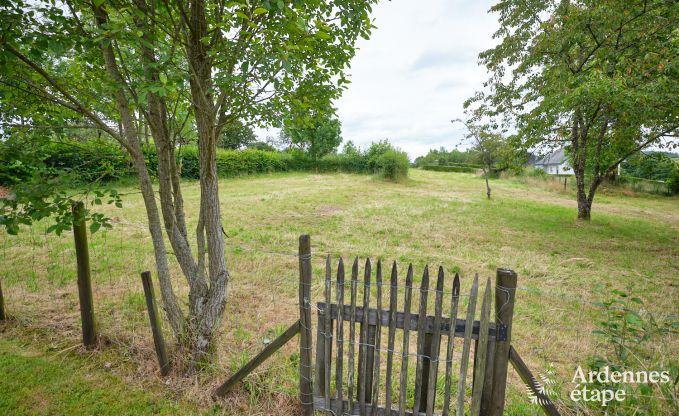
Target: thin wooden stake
482,349
528,378
257,360
403,389
465,346
84,277
422,375
328,332
156,329
305,383
454,302
436,342
378,341
393,309
363,381
352,334
339,383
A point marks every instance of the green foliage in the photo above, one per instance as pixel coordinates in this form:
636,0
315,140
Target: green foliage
236,136
443,157
628,332
393,165
318,136
452,168
598,77
655,166
48,177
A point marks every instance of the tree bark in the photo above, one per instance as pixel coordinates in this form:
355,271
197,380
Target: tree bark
208,304
130,132
485,174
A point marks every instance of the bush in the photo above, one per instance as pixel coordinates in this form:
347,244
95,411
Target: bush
673,183
233,162
393,165
461,169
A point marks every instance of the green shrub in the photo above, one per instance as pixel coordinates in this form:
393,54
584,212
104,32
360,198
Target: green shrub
461,169
673,183
393,165
535,172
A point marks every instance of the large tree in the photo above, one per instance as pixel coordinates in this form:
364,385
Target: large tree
316,134
597,77
176,65
236,135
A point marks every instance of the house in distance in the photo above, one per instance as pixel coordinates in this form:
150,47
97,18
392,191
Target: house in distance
553,163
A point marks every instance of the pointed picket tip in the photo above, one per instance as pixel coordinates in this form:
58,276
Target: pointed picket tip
409,276
425,277
488,287
394,269
456,285
340,271
439,281
367,262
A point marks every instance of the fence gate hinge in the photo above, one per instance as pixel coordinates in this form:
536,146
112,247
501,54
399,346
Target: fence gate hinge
501,332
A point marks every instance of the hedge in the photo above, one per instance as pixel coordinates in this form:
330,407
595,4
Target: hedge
105,160
445,168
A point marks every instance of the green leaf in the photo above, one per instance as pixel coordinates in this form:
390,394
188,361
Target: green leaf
98,2
259,10
163,78
94,227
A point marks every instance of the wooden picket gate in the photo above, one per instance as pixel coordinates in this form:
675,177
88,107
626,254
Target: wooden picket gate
355,387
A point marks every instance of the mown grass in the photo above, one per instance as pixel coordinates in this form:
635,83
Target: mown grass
33,384
632,244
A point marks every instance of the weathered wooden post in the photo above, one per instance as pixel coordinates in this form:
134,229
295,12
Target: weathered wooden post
505,294
2,304
84,278
158,340
305,384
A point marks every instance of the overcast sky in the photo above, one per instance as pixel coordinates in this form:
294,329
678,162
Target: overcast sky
411,78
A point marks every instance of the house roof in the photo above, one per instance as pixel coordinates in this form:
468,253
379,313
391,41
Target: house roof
557,157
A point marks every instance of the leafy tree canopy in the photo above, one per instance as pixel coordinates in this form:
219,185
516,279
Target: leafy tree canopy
318,134
597,77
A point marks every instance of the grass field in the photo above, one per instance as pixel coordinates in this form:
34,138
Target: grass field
631,244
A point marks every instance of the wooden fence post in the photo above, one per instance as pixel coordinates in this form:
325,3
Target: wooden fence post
158,340
505,293
2,304
84,278
305,385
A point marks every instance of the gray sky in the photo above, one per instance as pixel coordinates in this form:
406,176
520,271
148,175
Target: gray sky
411,78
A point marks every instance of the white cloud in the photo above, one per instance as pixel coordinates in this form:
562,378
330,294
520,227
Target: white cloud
412,77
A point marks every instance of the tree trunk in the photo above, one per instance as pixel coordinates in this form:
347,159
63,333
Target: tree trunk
133,146
485,174
207,306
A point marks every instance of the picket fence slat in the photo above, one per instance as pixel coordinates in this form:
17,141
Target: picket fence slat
424,292
454,301
403,389
352,333
471,309
378,341
393,309
363,356
481,353
436,343
339,382
328,331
